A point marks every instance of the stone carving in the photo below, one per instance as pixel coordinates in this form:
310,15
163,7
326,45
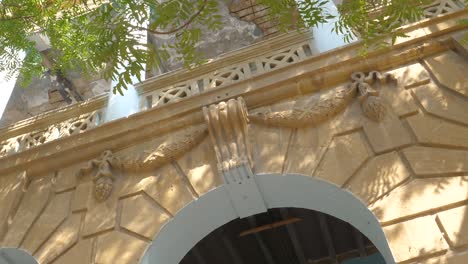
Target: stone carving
440,7
371,103
82,124
177,144
317,108
102,170
227,124
66,128
308,110
8,147
227,75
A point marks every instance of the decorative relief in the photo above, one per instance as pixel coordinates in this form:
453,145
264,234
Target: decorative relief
228,75
69,127
371,103
8,147
317,108
172,94
282,58
309,110
82,124
102,174
441,7
227,124
176,145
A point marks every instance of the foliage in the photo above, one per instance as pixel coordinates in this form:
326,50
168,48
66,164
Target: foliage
99,36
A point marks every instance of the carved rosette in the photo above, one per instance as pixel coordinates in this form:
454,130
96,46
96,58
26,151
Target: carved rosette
307,110
173,147
101,170
371,103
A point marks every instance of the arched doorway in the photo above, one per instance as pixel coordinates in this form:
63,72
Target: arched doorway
214,209
15,256
284,235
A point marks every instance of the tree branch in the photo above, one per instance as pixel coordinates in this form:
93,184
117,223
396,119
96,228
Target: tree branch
188,22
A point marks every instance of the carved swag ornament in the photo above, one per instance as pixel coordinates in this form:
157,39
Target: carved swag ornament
317,108
106,165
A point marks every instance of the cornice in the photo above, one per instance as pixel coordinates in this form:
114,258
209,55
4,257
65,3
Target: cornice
314,73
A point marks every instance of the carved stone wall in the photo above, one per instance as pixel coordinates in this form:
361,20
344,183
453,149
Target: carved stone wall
397,139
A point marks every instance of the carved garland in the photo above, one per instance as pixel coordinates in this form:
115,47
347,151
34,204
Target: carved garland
176,145
103,168
317,108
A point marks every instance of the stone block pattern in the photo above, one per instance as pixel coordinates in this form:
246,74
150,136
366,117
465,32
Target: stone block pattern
57,219
410,168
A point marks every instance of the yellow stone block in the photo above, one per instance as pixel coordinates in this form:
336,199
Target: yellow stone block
32,204
200,166
141,216
78,254
421,195
119,248
451,70
269,147
455,223
306,148
431,130
433,161
55,212
344,156
61,240
415,238
442,103
380,175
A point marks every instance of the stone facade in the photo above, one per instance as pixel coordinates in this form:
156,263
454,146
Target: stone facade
390,128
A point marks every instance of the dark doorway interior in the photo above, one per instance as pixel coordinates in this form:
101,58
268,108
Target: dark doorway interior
284,235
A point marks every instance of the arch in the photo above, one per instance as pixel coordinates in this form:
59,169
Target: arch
214,209
15,256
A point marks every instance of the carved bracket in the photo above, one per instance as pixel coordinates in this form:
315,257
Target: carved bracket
227,124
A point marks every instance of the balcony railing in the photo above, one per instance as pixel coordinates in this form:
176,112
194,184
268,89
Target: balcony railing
261,58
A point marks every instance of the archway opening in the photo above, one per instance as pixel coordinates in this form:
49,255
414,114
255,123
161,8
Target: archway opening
214,209
285,235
